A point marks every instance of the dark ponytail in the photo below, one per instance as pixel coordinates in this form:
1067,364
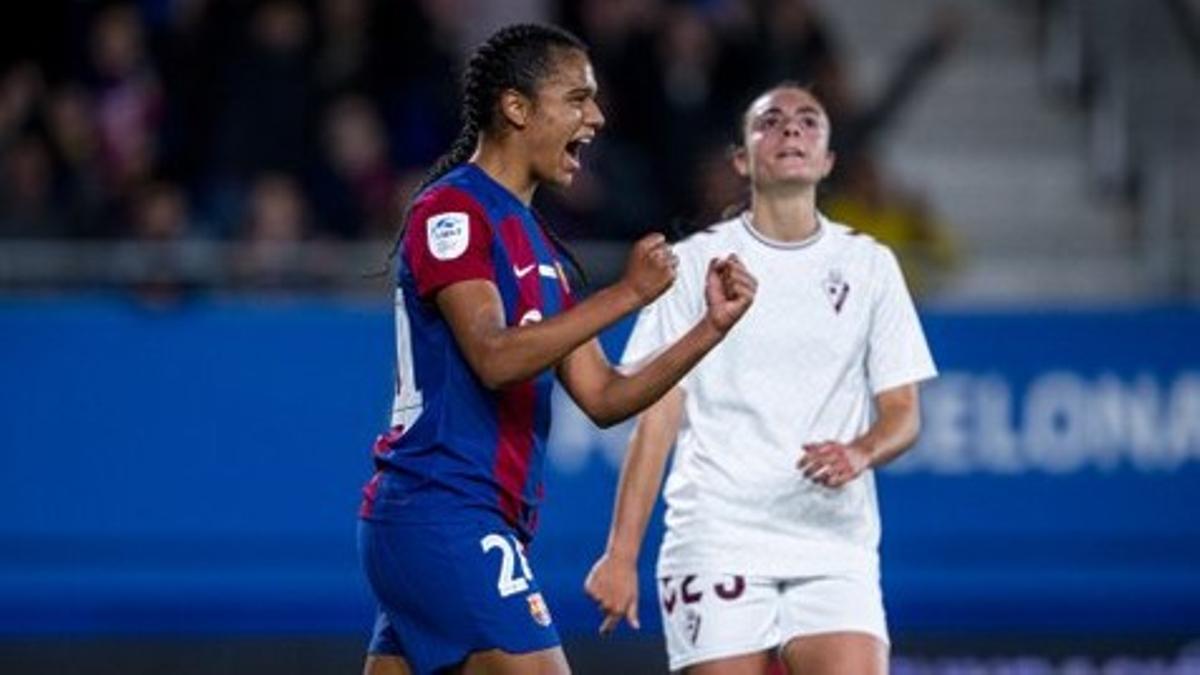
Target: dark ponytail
516,57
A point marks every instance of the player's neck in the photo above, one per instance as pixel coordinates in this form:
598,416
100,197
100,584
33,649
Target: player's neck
785,216
498,163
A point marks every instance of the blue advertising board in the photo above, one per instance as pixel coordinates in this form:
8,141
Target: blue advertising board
196,470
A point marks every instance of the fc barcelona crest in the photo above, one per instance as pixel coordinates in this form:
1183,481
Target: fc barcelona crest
836,289
538,609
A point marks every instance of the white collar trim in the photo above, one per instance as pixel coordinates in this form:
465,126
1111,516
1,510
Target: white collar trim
775,243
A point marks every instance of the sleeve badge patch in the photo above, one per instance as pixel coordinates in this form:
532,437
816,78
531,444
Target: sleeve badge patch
448,234
538,609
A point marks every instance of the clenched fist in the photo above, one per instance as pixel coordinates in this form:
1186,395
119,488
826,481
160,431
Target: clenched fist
729,290
650,270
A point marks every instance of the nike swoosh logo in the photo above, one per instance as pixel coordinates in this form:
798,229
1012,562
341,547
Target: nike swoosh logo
522,271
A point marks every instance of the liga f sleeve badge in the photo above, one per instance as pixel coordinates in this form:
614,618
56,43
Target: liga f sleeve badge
448,234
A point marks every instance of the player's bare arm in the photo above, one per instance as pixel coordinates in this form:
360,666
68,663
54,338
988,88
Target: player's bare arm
608,395
613,581
502,355
895,429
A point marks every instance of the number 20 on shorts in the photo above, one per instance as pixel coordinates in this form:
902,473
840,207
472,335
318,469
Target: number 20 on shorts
511,551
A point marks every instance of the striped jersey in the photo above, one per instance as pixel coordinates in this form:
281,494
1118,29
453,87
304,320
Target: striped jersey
455,445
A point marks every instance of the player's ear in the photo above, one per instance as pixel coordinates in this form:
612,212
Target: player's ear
740,160
830,160
516,108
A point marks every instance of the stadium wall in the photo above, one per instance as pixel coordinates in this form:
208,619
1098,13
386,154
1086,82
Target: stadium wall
193,473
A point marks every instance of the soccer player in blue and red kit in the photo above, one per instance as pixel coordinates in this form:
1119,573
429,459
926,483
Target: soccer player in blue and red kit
485,319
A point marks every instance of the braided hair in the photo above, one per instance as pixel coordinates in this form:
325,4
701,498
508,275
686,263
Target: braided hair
516,57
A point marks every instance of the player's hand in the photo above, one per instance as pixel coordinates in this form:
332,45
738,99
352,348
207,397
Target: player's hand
613,584
833,464
650,270
729,290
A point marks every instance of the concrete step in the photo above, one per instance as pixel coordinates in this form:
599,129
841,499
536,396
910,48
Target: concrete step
953,108
878,27
1012,204
999,280
1003,167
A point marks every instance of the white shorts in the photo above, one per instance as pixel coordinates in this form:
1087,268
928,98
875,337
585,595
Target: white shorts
714,616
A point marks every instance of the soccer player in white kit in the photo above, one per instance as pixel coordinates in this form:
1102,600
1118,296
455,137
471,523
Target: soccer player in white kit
772,523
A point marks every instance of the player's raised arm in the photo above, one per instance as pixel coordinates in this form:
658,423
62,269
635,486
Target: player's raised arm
501,355
608,395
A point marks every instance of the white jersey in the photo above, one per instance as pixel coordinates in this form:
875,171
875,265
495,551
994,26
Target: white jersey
832,325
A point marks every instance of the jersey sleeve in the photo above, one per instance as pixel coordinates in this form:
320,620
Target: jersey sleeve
448,240
665,320
897,352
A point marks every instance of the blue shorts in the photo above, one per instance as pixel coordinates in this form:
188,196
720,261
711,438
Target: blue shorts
448,589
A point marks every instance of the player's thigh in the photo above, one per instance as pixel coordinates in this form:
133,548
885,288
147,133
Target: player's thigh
744,664
836,654
835,624
496,662
718,619
379,664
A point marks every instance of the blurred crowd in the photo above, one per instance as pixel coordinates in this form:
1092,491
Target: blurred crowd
269,121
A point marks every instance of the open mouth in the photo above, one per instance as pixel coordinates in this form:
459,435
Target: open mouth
574,149
792,153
